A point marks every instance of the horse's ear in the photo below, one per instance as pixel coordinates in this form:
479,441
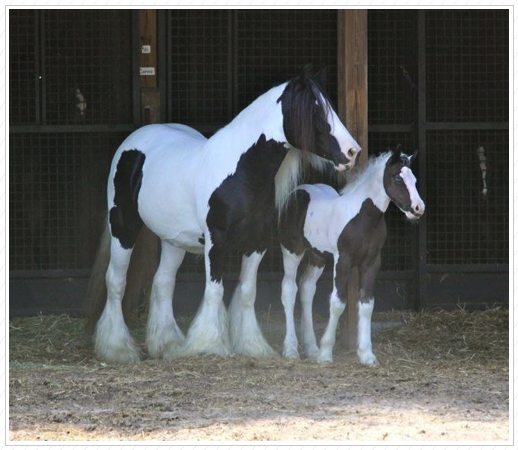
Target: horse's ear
396,155
411,158
307,73
321,77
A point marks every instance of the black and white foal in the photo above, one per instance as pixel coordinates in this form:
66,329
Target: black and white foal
351,227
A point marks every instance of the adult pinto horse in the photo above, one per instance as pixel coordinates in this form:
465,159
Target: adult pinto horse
208,196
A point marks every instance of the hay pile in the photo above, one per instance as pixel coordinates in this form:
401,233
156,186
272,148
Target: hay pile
480,337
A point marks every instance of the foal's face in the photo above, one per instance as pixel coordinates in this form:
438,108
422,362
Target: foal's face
311,125
400,185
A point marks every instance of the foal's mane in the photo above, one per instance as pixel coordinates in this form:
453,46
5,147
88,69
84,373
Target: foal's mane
374,164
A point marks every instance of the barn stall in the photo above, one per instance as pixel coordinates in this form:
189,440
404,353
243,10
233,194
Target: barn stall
81,81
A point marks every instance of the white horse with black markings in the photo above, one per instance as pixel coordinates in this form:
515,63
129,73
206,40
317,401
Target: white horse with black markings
350,226
208,196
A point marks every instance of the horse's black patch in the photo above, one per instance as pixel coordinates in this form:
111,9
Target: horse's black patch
291,229
125,220
360,243
241,208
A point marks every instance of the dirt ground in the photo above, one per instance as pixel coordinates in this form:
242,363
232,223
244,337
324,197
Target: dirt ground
442,377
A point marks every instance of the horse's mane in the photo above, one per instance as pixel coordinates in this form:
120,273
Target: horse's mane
309,107
374,164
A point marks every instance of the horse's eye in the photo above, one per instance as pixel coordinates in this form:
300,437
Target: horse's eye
398,178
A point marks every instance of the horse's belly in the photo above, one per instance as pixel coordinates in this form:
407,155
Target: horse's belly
189,241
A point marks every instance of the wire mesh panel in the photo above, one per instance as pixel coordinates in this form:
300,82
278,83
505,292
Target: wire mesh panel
273,45
87,66
57,198
468,204
399,250
23,65
199,67
392,66
467,65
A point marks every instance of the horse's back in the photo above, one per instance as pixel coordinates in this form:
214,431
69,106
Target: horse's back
319,192
163,137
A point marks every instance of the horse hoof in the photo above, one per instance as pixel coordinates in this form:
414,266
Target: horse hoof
290,353
121,355
312,353
368,360
324,358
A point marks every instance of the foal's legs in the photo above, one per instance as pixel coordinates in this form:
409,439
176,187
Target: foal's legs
113,341
208,332
163,334
368,272
308,286
291,263
337,304
245,335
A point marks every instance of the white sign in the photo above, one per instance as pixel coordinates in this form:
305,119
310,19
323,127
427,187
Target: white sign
146,49
147,71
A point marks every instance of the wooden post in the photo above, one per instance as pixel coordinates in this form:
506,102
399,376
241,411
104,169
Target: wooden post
149,93
352,107
147,247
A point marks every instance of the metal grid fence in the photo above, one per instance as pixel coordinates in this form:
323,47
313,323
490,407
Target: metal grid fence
465,224
57,198
467,65
273,45
199,54
57,179
23,67
87,66
392,66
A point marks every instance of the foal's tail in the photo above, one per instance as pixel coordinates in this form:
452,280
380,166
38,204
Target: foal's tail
143,265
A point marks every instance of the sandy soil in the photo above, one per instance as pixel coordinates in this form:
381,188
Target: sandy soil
441,378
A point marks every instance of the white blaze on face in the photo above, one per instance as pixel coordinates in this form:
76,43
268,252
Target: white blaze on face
416,202
348,145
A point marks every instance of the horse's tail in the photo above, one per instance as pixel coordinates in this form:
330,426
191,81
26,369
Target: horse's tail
95,298
143,265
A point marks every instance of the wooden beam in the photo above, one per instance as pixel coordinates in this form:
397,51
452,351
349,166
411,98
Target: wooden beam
148,48
147,248
352,107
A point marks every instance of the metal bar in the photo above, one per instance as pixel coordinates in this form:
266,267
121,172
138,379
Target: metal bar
232,65
22,129
37,62
466,125
43,118
71,273
468,268
407,128
421,130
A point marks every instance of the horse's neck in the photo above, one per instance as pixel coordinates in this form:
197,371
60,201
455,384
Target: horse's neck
368,185
263,116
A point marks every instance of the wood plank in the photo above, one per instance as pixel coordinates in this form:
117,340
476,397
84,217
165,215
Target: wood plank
352,106
148,43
